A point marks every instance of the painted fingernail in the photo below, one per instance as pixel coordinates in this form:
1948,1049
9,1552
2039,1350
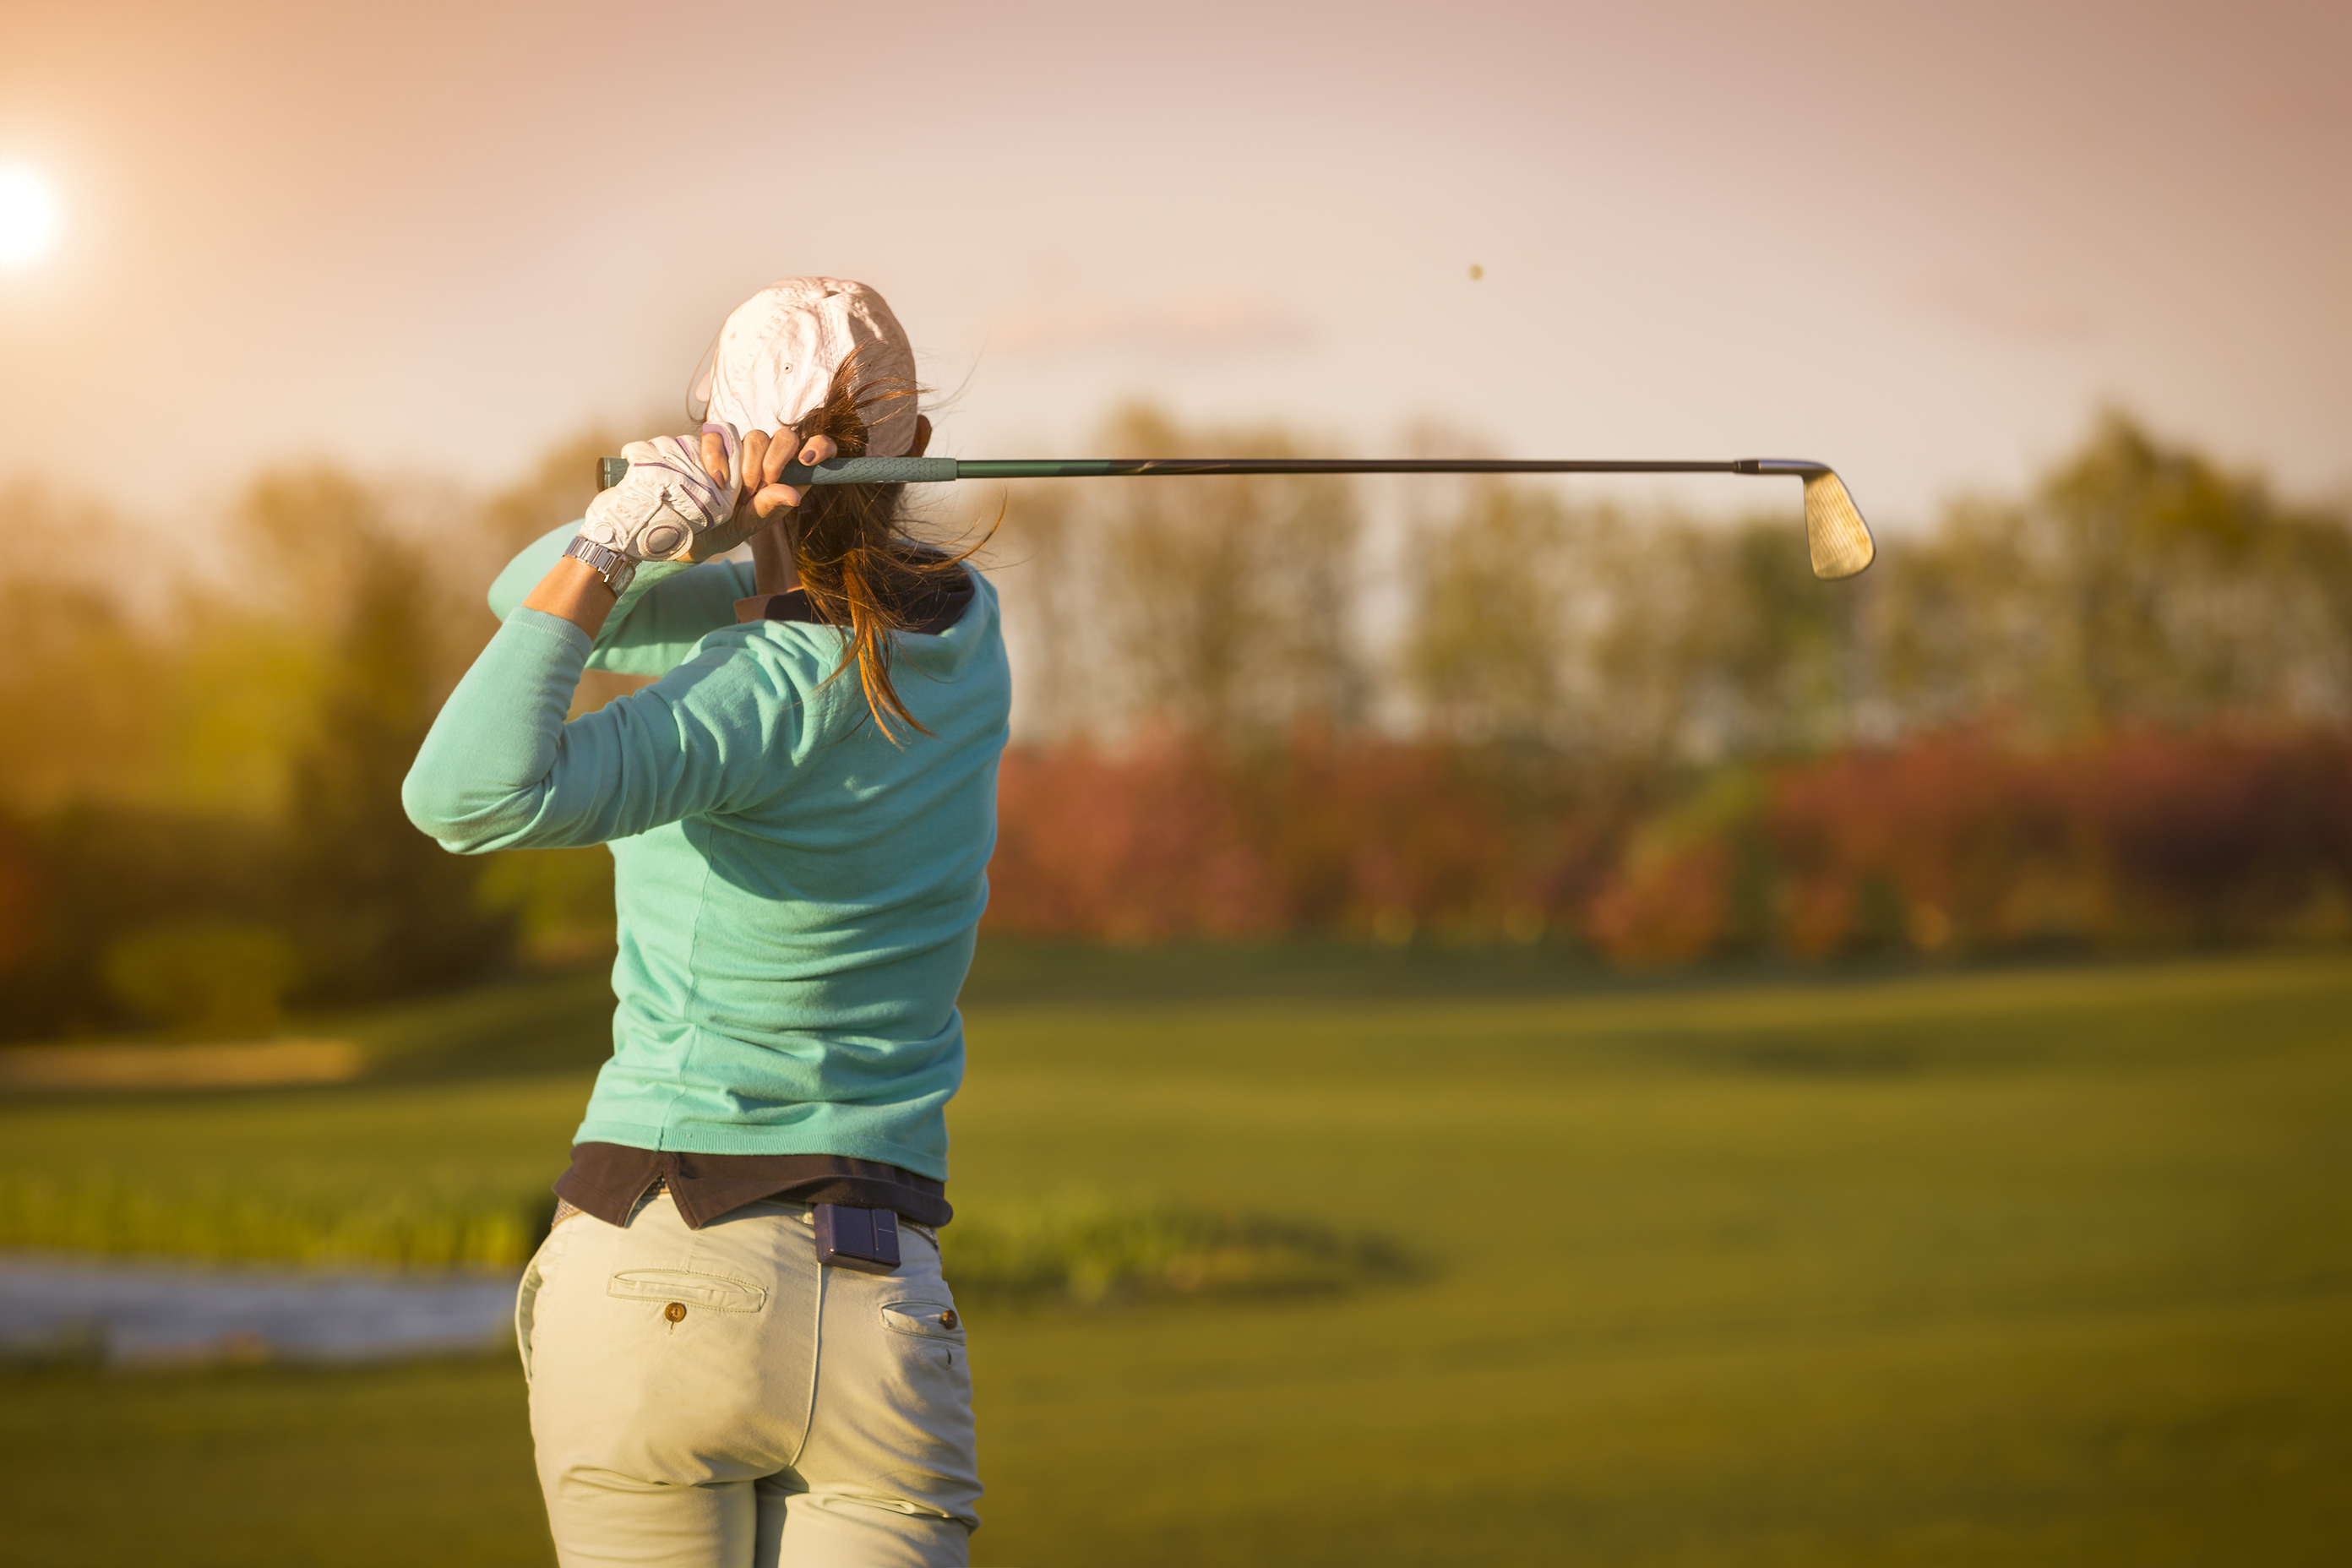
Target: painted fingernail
809,456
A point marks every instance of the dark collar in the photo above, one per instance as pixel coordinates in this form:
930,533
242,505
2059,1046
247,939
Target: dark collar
934,612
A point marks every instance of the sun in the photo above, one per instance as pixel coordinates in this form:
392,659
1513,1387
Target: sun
28,216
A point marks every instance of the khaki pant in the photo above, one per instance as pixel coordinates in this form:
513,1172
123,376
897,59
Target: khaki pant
717,1397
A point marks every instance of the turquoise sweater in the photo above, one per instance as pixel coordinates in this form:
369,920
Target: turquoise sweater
797,895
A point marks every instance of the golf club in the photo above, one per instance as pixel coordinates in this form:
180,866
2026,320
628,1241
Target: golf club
1839,539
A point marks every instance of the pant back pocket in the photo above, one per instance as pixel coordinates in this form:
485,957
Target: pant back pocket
714,1292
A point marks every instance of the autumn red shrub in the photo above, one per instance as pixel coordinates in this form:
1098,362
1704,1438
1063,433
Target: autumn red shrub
2217,834
1955,842
1145,846
1170,838
1975,840
19,894
1668,910
2141,837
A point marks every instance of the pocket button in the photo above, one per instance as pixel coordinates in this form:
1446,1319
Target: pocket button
675,1311
923,1319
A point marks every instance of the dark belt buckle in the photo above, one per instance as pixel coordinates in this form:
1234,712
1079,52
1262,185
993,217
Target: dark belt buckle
863,1239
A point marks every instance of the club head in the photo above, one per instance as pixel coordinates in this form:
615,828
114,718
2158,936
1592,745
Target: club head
1839,539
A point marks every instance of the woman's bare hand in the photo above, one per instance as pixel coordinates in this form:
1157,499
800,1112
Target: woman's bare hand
759,499
763,498
765,460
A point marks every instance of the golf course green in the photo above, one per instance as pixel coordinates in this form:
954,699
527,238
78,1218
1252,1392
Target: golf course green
2043,1266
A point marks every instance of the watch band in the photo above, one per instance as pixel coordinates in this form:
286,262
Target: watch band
615,568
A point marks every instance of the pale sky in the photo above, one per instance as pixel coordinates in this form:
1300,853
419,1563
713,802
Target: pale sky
1922,243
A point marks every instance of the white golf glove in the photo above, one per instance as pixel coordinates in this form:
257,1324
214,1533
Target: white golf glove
665,502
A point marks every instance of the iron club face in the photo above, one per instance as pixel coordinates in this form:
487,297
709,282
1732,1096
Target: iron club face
1840,540
1835,534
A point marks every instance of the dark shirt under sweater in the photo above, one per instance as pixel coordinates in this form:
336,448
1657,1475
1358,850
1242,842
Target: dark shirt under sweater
607,1179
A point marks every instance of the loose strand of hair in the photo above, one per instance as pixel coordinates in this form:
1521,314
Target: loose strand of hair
860,568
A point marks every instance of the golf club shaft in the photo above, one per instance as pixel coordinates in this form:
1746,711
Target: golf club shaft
935,470
1835,534
1059,467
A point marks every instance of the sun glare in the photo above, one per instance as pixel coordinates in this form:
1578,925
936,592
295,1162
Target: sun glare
28,216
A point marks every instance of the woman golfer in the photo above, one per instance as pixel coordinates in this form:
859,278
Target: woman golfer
739,1343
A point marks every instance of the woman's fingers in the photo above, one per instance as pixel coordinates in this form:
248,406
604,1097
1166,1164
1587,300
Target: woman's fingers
815,450
765,457
755,450
714,457
774,499
780,452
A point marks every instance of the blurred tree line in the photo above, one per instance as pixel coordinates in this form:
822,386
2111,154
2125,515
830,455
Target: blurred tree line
2114,708
2136,584
199,819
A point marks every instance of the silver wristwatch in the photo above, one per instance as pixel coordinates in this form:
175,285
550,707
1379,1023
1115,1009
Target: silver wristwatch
615,568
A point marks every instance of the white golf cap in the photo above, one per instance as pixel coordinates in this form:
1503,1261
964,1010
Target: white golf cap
775,357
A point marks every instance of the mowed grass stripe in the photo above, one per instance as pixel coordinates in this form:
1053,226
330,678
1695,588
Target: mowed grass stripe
2177,1435
2047,1267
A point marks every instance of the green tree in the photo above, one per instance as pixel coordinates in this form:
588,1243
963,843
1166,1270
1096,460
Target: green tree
1489,649
2137,584
1225,608
377,908
1641,638
1786,655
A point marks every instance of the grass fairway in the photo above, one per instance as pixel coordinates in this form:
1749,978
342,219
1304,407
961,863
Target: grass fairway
2030,1268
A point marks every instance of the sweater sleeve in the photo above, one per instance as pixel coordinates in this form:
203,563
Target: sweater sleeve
502,770
668,607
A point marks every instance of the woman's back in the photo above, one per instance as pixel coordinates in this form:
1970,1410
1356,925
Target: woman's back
790,960
797,887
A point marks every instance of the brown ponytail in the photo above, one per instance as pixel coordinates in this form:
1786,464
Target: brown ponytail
861,568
